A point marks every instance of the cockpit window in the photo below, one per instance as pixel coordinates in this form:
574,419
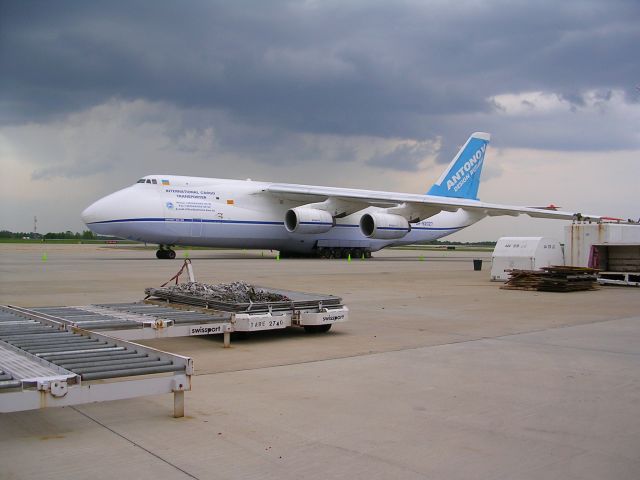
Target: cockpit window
154,181
140,181
148,181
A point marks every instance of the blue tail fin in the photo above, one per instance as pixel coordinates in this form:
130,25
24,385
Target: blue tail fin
461,179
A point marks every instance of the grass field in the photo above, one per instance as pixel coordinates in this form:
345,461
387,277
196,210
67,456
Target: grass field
61,241
439,248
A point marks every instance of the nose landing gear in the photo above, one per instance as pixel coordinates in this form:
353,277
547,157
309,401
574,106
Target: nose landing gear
165,253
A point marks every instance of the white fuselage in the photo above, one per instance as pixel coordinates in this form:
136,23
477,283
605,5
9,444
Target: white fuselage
237,214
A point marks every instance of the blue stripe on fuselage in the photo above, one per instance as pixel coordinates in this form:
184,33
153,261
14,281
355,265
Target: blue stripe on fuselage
246,222
186,220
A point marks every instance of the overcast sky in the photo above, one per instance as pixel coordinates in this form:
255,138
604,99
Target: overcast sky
363,94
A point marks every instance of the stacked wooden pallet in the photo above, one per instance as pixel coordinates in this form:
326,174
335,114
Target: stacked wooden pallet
553,279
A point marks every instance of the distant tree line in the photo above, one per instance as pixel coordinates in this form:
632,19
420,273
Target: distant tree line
68,235
477,244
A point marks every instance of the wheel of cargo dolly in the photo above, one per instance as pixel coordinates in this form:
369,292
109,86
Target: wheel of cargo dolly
317,328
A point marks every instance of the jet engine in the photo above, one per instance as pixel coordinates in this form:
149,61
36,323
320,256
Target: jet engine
384,226
308,220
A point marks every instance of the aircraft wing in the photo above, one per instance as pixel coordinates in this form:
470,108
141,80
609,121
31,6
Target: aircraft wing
413,206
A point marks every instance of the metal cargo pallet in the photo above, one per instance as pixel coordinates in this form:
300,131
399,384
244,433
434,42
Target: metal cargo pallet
297,301
48,363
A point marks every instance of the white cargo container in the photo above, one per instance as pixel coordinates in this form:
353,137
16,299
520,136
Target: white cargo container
524,253
579,238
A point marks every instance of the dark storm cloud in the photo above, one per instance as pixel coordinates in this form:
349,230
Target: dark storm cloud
406,157
409,69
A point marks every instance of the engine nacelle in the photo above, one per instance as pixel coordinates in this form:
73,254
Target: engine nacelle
308,220
384,226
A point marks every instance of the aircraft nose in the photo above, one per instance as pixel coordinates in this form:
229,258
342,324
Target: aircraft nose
103,215
96,214
123,213
91,213
101,210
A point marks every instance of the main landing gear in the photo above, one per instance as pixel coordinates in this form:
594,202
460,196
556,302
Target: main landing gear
341,252
165,253
329,252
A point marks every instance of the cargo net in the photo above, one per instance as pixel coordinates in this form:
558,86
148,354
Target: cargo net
235,296
235,292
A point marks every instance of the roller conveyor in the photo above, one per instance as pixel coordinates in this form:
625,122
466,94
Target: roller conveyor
45,362
141,321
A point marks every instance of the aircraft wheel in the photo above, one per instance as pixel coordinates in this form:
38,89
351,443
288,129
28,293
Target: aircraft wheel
367,254
160,254
345,252
333,253
317,328
171,254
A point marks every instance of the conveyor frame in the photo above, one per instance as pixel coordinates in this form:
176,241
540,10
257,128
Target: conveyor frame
162,319
34,347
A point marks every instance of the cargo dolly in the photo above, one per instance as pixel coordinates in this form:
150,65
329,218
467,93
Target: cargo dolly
48,363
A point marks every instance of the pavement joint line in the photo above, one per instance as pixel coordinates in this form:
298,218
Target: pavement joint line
368,455
590,322
505,337
570,347
594,322
134,443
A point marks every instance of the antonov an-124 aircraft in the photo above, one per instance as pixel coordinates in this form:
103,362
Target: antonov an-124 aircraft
330,222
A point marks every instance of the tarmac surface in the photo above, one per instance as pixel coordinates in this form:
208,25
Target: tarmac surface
438,374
